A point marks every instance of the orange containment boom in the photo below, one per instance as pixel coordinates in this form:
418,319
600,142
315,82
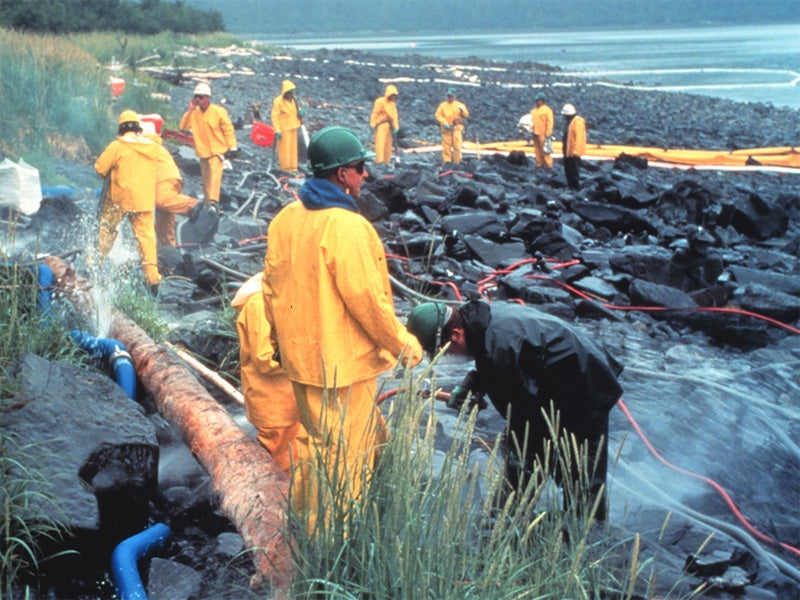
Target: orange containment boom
785,158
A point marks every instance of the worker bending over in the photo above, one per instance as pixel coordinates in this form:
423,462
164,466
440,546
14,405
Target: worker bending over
525,360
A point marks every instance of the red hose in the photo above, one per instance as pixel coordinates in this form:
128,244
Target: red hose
725,496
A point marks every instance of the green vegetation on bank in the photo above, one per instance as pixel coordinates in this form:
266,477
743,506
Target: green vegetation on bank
144,17
435,524
56,90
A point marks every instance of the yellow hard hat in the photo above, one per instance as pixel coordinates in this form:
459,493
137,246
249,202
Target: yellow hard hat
128,116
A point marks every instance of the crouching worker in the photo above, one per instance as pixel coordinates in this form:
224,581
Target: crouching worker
170,199
524,361
268,397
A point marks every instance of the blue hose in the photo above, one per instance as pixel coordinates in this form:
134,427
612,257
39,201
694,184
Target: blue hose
115,351
44,296
125,558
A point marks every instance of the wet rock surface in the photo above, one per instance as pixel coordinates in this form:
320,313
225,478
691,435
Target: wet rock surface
712,382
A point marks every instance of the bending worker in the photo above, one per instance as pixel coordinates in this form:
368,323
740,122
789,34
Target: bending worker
170,200
268,396
450,115
542,124
129,166
286,120
574,144
326,279
531,363
214,140
385,124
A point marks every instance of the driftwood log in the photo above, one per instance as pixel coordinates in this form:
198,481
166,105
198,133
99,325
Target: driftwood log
251,488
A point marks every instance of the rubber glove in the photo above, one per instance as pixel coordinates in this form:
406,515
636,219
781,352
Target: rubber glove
462,390
395,131
446,127
232,153
301,112
278,135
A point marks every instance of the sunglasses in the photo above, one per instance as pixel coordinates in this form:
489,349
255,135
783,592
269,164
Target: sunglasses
359,167
199,97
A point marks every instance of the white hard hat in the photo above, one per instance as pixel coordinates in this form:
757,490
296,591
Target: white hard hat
202,89
568,110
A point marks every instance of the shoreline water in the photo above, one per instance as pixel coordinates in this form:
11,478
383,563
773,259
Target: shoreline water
744,64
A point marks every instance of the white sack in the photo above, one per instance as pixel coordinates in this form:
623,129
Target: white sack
20,187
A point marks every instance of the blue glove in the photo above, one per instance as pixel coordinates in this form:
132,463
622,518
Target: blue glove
395,131
301,112
373,128
446,126
278,135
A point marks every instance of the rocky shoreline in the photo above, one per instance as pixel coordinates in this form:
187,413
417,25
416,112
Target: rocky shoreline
713,380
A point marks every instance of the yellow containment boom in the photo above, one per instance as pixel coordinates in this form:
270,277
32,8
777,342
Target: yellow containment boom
785,159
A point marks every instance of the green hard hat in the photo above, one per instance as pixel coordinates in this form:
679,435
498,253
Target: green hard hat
539,96
426,322
333,147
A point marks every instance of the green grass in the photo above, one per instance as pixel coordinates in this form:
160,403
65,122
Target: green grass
423,530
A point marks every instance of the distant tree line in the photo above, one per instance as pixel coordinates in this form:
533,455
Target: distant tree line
81,16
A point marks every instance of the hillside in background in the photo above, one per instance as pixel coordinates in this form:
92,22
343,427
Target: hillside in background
454,16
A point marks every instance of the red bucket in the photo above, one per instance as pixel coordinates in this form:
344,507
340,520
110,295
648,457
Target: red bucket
117,87
262,134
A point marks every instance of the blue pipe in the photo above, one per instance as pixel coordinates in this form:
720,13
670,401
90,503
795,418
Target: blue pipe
124,559
53,191
115,351
44,296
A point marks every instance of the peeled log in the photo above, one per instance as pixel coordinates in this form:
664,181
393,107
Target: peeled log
252,489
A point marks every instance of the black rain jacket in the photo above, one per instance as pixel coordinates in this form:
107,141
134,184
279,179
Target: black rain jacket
525,358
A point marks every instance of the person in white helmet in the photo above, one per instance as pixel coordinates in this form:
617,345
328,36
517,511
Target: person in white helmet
574,145
214,140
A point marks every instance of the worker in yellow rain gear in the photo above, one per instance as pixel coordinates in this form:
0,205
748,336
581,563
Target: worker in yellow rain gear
574,145
268,395
129,163
450,116
170,200
542,122
214,140
326,280
286,120
385,124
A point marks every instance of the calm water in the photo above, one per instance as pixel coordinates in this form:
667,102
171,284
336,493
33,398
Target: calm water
746,64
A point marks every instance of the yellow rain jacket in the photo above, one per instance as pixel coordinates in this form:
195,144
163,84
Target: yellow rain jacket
131,161
448,113
542,120
331,298
212,130
576,138
384,111
269,399
284,112
384,120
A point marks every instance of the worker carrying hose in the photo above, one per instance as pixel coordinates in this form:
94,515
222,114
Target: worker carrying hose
214,140
574,144
450,115
385,124
524,361
129,166
286,120
327,283
268,395
542,123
